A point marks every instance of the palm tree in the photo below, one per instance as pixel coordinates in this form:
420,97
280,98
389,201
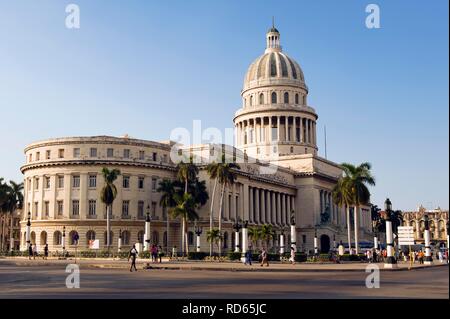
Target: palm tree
266,233
212,170
167,189
186,172
224,173
14,201
342,197
185,208
360,177
254,234
107,195
213,236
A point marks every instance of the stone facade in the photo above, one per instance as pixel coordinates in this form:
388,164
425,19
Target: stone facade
281,174
438,220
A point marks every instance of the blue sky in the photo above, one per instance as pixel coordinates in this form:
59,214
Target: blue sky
146,67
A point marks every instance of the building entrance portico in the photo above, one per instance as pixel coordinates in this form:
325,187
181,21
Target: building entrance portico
324,244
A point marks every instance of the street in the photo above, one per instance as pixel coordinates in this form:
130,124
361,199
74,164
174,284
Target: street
48,281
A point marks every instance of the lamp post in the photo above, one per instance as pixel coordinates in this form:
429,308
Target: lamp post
244,240
198,231
428,259
375,234
64,241
293,233
391,262
236,226
119,243
316,248
334,242
28,235
282,241
147,230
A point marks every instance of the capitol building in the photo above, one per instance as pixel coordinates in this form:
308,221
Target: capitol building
275,126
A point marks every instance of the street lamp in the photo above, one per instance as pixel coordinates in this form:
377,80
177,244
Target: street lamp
375,234
236,226
316,248
198,231
428,259
64,241
244,240
119,243
28,231
391,262
293,233
282,240
147,230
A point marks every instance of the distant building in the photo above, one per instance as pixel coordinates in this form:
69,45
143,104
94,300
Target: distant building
438,223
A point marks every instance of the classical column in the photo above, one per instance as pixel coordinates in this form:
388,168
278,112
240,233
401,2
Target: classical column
244,240
257,209
283,209
250,202
281,243
269,207
278,128
254,131
302,137
273,208
286,128
294,128
288,207
262,215
270,129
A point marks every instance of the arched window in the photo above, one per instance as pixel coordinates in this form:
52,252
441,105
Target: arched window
33,238
57,238
111,237
296,99
274,98
190,238
141,236
225,240
126,237
304,100
261,98
155,238
286,97
72,240
43,237
251,100
90,235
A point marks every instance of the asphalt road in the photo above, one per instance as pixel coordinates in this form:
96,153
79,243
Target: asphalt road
50,282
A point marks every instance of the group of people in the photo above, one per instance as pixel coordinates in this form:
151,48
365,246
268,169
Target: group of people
263,257
376,255
156,252
32,251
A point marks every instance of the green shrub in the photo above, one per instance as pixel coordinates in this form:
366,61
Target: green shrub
197,255
144,254
233,255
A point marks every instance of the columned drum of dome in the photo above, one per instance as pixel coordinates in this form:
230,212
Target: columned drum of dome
275,120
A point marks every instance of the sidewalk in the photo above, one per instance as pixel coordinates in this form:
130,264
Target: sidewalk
212,266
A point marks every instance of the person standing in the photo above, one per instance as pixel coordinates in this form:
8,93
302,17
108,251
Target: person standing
133,255
160,254
46,251
34,251
248,258
30,251
264,259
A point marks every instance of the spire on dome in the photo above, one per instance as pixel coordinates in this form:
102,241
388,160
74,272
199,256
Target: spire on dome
273,38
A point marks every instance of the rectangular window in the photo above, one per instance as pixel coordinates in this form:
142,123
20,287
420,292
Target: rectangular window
126,182
36,183
126,153
154,180
76,152
30,157
141,155
92,181
125,206
36,209
47,182
110,152
141,209
46,209
47,154
153,209
76,181
38,156
141,183
92,207
61,181
93,152
75,207
60,204
154,157
61,153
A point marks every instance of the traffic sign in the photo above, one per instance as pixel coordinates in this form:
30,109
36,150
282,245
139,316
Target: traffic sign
405,235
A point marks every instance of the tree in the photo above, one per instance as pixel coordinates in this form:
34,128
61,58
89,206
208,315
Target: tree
225,174
377,220
213,236
167,189
360,178
342,197
14,202
266,233
187,171
107,195
254,234
185,209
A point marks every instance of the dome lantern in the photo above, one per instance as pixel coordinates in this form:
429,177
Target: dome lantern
273,39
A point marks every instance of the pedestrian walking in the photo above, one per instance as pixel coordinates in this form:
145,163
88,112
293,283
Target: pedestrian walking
248,258
264,259
46,251
30,251
133,255
160,254
34,251
292,258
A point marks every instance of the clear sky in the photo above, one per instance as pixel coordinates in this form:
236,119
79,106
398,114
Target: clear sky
145,67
